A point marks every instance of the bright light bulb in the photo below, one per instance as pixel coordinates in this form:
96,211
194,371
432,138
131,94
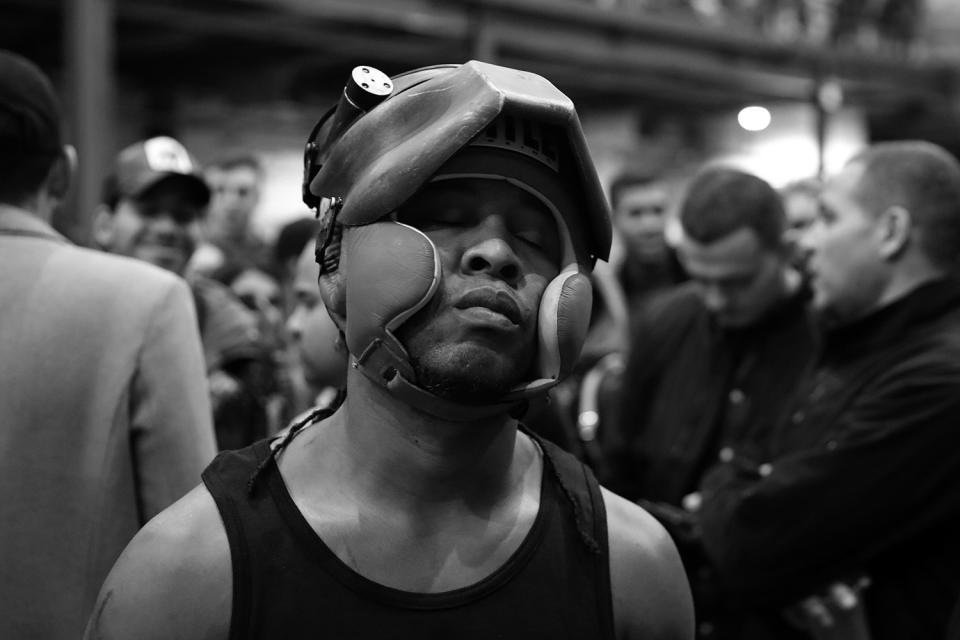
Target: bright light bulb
754,118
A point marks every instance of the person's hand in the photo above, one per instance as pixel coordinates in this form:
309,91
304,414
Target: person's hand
834,613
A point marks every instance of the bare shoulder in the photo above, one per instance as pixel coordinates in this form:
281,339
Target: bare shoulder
174,579
651,595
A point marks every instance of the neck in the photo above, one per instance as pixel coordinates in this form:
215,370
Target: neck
396,453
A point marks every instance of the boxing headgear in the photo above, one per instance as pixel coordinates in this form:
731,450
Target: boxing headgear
386,140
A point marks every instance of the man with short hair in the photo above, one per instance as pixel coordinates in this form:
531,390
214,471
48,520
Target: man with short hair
236,183
230,247
712,362
863,484
461,215
104,414
641,210
315,342
154,200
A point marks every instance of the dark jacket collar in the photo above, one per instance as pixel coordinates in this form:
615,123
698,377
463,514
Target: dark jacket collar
783,312
886,325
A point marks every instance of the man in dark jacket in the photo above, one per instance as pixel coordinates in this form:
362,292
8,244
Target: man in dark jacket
713,361
864,481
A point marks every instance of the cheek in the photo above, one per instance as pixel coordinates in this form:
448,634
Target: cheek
126,226
531,290
843,254
317,330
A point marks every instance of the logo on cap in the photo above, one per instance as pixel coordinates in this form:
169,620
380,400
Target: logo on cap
167,155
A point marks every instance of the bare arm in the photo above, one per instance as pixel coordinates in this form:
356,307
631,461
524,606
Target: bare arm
651,596
174,579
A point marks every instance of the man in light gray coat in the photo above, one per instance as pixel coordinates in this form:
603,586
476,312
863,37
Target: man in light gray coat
104,412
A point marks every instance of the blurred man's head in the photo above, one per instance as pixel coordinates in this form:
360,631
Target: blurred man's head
801,201
639,215
314,336
732,245
289,244
35,167
153,202
236,185
888,221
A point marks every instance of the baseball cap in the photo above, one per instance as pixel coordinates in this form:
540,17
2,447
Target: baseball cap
145,164
29,108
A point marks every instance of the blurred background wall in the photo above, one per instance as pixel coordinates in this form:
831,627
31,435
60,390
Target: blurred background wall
661,85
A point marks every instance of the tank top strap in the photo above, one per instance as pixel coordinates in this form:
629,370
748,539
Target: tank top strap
581,491
229,479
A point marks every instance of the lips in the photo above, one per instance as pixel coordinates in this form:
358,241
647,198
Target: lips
493,299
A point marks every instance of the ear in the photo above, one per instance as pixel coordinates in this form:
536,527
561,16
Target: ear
103,226
895,227
333,293
62,172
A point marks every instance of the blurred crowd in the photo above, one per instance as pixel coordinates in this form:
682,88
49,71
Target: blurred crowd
253,311
798,449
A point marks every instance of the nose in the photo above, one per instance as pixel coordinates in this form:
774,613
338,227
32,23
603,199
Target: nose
294,324
491,253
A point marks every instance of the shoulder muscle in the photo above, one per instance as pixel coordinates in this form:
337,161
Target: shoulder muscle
174,579
651,596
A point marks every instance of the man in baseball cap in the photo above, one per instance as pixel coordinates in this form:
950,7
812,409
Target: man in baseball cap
153,202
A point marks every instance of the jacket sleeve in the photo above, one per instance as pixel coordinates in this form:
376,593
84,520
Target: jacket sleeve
657,329
171,420
631,400
890,473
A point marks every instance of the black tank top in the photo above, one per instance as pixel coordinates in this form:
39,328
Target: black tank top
288,584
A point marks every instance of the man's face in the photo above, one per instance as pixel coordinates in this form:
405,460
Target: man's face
640,218
739,278
236,192
312,332
843,254
160,227
499,247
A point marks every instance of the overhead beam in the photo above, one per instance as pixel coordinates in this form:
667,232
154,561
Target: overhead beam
276,29
732,41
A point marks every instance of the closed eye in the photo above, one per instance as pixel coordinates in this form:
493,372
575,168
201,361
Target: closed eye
426,217
533,239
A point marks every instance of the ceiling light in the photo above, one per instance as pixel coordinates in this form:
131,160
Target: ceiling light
754,118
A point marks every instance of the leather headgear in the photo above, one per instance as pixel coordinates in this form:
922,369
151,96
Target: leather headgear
378,147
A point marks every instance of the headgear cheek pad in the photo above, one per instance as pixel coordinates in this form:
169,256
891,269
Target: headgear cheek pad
394,271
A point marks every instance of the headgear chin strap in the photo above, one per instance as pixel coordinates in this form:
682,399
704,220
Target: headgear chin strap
429,129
